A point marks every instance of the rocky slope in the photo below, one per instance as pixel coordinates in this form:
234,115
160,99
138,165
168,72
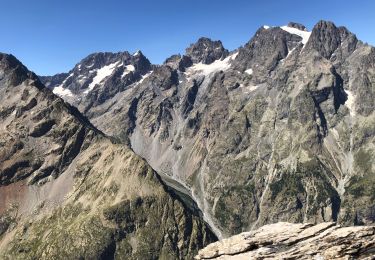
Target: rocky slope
69,192
296,241
281,129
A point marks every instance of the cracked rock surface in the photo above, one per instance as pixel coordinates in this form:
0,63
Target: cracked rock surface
296,241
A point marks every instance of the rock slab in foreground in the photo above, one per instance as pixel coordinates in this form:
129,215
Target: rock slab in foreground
296,241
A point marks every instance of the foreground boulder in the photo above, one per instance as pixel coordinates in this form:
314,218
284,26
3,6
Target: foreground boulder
296,241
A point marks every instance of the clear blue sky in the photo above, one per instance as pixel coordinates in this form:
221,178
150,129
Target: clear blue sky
50,36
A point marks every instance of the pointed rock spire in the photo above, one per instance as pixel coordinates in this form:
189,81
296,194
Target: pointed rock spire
206,51
325,38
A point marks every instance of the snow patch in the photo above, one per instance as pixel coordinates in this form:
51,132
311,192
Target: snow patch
249,71
233,56
127,70
303,34
217,65
250,88
70,75
137,53
81,79
101,74
144,77
350,102
62,92
266,27
289,53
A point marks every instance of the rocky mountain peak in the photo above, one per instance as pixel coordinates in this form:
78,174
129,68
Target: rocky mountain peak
297,26
325,25
98,77
266,48
206,51
8,61
138,53
325,38
173,59
101,59
13,71
179,62
141,63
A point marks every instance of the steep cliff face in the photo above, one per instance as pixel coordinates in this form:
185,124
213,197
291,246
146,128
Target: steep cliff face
281,129
67,191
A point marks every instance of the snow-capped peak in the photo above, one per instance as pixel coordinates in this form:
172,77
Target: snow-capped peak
304,34
266,27
137,53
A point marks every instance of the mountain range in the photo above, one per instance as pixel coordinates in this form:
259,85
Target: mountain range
121,158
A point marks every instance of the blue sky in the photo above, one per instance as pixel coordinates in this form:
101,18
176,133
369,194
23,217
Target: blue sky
50,36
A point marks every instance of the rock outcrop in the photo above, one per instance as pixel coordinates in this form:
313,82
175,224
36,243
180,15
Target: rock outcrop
296,241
